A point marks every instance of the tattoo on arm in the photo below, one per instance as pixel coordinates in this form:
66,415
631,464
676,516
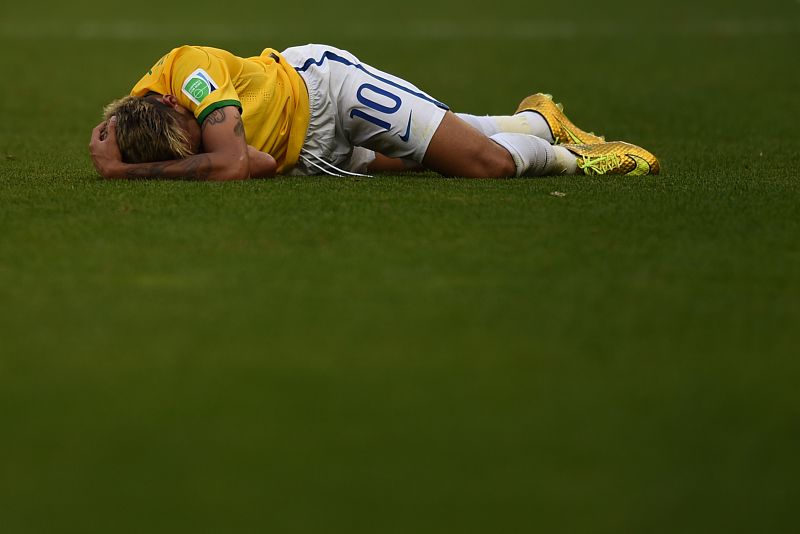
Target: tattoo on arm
215,117
196,167
218,116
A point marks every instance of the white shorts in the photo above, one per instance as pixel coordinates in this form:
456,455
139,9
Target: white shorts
357,110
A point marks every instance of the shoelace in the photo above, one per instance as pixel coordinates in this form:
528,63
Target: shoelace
599,164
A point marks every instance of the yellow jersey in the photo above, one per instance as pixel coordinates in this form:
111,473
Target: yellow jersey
271,95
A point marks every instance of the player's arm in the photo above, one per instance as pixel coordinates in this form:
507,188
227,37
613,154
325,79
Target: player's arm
226,155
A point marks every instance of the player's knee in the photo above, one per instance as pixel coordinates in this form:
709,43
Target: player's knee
496,163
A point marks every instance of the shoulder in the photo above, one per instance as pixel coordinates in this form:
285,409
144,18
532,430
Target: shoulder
190,52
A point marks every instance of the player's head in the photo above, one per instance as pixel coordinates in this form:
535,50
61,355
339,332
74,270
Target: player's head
154,128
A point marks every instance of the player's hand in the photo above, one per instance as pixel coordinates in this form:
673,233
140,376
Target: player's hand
104,150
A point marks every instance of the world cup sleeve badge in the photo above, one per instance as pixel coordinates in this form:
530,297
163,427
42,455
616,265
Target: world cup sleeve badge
198,85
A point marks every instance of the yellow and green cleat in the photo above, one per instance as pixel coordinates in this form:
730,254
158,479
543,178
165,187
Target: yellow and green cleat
560,126
615,157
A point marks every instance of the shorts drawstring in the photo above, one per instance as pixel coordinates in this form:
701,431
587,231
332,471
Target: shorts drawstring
327,167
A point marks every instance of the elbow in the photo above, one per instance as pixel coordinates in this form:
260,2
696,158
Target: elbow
240,170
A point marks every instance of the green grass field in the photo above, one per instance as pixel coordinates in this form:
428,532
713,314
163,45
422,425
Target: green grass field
410,353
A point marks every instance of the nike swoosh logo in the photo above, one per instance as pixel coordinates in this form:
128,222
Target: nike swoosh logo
406,135
575,139
642,167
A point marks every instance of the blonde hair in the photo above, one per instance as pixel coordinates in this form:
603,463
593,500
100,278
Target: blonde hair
148,130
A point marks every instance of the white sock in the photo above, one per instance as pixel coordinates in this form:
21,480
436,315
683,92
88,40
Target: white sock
533,156
525,123
566,161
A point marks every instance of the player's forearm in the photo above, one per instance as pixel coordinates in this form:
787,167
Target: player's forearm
209,166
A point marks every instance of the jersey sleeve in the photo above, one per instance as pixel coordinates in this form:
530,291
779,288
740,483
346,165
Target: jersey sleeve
201,82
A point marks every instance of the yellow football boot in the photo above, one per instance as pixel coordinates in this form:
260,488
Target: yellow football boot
615,157
560,126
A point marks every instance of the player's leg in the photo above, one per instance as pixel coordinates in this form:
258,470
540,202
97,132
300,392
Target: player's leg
455,149
458,149
388,115
382,163
537,115
525,123
440,141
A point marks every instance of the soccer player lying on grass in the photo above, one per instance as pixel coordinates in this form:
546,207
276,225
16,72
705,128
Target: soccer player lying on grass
204,113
